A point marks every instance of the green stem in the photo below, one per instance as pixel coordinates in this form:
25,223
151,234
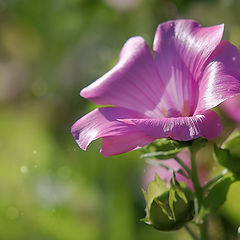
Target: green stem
203,231
198,197
185,167
215,179
191,233
195,181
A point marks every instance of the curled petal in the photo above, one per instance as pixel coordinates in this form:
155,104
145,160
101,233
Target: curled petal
118,137
132,83
133,140
207,125
188,40
221,77
181,48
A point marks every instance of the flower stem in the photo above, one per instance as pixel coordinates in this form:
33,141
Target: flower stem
195,180
191,233
203,231
198,197
185,167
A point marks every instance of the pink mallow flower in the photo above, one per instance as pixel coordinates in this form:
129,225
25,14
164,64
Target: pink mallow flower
232,108
166,94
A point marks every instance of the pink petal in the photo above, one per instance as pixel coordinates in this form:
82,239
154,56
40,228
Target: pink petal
181,48
221,77
232,108
133,140
133,83
104,123
207,125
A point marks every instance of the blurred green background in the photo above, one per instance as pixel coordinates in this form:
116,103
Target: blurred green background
50,50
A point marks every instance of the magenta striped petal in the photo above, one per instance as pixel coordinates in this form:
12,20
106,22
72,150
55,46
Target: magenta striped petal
133,140
221,77
133,83
207,125
181,48
104,123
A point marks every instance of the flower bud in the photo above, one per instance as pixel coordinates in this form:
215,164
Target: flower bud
168,209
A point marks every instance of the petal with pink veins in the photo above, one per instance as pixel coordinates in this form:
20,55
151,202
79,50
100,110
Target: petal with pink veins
118,137
133,83
221,77
181,48
133,140
207,125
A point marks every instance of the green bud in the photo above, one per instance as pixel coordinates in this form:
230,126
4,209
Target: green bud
228,155
168,209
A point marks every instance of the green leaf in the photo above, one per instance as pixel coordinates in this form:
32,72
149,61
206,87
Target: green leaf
234,147
229,154
217,195
222,155
234,134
